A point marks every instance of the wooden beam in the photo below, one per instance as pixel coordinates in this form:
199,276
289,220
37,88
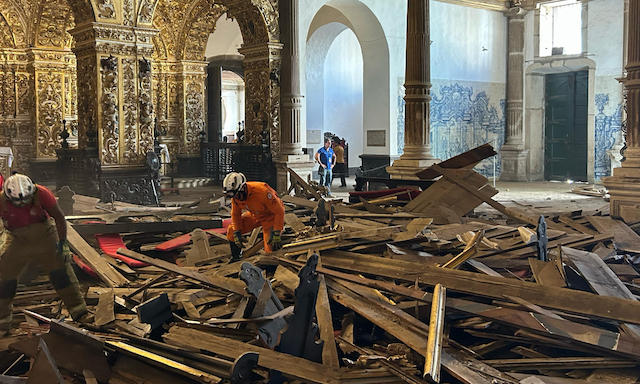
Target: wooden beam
436,329
325,325
231,285
296,367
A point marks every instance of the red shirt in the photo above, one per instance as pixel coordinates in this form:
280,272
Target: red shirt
36,212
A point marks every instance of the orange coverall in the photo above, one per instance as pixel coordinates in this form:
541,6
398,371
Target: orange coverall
264,208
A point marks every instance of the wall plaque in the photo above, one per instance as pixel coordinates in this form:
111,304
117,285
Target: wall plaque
314,136
376,138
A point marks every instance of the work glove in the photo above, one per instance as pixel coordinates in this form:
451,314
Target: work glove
62,247
275,241
239,239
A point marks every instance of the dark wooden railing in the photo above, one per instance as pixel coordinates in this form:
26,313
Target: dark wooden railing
79,169
219,159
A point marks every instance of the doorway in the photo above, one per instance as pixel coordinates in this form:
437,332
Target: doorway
566,126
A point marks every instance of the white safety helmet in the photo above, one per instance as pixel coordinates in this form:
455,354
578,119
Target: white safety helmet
19,189
232,183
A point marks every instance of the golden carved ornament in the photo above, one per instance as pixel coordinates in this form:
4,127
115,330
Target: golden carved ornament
146,106
106,9
49,104
130,112
194,116
109,103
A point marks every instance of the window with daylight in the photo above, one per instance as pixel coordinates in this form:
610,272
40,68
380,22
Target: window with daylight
561,28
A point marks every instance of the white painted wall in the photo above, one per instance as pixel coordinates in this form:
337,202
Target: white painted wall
343,85
468,47
469,44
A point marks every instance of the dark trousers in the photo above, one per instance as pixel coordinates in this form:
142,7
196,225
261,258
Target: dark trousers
341,170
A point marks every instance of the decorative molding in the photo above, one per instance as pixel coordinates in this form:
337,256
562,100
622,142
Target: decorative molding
194,117
109,104
106,9
129,140
146,106
50,104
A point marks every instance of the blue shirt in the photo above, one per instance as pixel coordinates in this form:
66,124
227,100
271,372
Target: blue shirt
326,155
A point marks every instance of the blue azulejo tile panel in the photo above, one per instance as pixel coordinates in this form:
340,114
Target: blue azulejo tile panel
607,131
462,120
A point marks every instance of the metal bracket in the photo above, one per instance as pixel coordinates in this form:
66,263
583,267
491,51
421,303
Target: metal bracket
241,371
543,240
269,331
300,337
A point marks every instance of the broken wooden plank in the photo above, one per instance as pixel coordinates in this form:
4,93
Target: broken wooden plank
90,256
547,273
325,326
601,279
624,237
105,309
464,160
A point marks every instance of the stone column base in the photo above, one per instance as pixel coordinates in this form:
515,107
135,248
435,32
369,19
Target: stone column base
514,165
300,164
624,188
406,169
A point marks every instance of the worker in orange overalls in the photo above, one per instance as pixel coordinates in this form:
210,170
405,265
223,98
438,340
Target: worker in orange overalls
263,208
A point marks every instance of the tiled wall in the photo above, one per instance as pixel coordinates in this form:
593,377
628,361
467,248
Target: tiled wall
464,116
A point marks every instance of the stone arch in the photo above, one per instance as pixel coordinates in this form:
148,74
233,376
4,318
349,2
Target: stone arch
203,19
15,16
329,22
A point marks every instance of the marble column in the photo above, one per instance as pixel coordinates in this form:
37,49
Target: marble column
291,98
417,150
513,153
624,185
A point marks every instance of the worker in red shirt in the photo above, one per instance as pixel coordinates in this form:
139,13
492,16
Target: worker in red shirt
263,208
36,232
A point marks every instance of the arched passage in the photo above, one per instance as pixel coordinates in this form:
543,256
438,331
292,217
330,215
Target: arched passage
328,24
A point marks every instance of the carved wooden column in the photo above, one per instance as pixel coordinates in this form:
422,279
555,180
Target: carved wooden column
512,153
291,97
48,69
191,81
262,93
169,103
115,99
624,185
16,107
417,150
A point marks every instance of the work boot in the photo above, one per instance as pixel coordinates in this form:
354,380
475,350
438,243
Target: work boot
236,252
86,318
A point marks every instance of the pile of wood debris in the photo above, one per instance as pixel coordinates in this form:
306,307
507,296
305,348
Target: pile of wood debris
385,290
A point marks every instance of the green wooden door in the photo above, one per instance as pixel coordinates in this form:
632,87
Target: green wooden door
566,126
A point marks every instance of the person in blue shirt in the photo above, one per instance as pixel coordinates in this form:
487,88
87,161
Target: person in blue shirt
327,160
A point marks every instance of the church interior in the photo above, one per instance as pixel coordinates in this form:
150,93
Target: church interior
448,191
